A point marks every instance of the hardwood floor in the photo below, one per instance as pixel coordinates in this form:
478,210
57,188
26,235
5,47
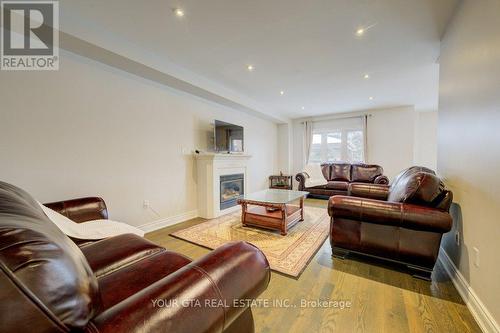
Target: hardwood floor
384,298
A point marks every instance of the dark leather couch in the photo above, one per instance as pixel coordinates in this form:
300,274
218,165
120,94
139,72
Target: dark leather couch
340,175
403,222
121,284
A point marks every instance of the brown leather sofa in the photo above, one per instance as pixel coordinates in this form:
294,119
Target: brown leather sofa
121,284
403,222
340,175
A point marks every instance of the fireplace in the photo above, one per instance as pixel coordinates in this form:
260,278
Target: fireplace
231,189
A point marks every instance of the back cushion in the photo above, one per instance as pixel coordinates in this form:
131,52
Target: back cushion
365,173
326,169
409,171
340,172
44,264
420,188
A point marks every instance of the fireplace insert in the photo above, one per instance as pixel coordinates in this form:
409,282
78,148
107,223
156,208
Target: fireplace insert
231,189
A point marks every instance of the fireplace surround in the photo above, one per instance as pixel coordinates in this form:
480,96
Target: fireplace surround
214,171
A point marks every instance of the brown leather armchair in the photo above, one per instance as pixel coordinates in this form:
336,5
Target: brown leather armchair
121,284
403,222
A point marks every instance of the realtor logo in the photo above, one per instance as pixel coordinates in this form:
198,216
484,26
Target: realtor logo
30,35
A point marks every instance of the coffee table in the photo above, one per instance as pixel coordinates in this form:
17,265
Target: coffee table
272,209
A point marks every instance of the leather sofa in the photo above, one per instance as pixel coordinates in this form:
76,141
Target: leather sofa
48,283
340,175
402,222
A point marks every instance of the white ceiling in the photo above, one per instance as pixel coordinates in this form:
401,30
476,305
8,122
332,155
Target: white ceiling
307,48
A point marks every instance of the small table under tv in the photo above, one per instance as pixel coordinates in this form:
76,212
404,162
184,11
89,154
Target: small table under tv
284,182
273,209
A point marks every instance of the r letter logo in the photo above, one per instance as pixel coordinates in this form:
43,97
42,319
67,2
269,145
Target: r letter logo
30,35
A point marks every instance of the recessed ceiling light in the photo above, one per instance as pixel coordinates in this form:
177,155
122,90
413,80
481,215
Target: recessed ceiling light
370,98
303,108
250,68
282,92
366,76
360,32
178,12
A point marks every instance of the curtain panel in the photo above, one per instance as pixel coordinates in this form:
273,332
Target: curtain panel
308,136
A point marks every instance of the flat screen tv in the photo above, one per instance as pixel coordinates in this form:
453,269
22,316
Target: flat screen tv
228,137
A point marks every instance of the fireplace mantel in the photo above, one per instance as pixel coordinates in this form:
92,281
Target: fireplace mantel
209,168
220,156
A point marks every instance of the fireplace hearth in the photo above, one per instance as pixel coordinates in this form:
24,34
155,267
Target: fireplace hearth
231,189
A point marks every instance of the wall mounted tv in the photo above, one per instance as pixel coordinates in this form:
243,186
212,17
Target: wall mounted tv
228,137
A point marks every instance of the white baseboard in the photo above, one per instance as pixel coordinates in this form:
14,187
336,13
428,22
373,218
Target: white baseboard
483,317
166,222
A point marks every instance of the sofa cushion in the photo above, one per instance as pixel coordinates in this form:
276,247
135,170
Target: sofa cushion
421,188
365,173
110,254
326,168
337,185
44,263
409,171
340,172
137,276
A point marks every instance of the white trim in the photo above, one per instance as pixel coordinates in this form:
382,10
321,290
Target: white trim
166,222
479,311
221,156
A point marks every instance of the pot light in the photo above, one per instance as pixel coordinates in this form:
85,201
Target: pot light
282,93
360,32
370,98
366,76
303,108
178,12
250,68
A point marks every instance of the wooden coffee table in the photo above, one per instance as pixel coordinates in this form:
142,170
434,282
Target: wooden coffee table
272,209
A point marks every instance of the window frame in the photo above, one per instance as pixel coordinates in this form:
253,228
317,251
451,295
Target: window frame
344,151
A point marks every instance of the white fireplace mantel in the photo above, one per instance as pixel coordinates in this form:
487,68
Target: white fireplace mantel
209,168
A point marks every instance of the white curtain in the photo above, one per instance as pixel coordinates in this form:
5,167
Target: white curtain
365,137
308,136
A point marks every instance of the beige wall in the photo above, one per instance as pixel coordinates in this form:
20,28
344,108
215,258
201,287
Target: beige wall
469,143
391,139
426,139
90,129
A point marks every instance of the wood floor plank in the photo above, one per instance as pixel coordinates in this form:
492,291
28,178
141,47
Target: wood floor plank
384,297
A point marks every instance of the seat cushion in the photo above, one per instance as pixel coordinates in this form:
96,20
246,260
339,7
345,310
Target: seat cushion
109,254
323,191
337,185
131,279
340,172
365,173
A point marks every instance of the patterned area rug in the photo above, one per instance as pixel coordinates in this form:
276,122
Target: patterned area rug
288,254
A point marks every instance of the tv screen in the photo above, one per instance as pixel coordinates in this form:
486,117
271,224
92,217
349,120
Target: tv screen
228,137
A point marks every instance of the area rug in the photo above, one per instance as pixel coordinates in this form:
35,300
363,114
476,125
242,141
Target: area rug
288,254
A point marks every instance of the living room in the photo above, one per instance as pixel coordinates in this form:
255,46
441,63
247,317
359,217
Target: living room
342,154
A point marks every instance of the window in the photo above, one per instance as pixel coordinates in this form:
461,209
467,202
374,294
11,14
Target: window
339,140
315,148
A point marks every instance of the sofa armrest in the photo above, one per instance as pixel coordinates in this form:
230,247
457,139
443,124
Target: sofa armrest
206,295
390,213
301,179
383,180
82,209
370,191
